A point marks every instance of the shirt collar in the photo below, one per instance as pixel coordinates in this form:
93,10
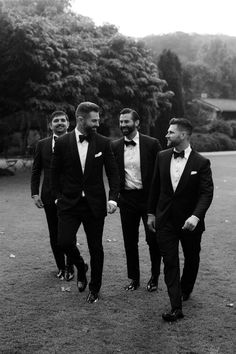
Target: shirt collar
187,151
135,139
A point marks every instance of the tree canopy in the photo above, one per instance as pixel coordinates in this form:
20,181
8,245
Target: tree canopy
52,58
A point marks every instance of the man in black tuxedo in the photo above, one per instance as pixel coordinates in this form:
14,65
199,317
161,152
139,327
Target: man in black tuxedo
135,155
58,123
78,187
180,194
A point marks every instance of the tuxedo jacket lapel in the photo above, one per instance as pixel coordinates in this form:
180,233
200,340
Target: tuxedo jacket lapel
166,168
186,172
143,160
90,157
75,153
121,161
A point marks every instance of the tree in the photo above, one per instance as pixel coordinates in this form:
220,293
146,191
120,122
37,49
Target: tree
171,71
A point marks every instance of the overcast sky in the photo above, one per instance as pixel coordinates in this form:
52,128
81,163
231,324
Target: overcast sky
140,18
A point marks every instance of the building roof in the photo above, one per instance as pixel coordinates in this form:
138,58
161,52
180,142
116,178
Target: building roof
219,104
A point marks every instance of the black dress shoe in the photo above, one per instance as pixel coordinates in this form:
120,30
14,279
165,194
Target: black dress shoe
92,297
152,284
185,296
132,286
61,274
173,315
82,283
69,273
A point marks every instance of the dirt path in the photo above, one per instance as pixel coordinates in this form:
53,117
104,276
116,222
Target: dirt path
37,317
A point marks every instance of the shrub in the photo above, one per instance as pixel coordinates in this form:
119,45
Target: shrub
212,142
233,127
221,126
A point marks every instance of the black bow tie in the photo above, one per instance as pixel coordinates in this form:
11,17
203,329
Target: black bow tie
83,137
129,142
178,154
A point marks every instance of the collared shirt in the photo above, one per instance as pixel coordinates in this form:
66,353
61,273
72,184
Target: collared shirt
177,167
133,179
82,148
54,137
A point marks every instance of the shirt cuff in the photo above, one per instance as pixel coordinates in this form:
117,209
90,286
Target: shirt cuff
196,217
112,202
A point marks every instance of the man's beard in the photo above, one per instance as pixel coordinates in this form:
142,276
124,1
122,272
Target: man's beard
127,130
90,130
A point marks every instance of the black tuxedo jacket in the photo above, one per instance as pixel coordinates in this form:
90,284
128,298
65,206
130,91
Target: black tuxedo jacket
42,162
68,180
149,148
192,196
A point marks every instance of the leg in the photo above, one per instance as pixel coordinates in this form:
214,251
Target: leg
94,231
154,250
191,245
52,220
68,224
130,220
169,247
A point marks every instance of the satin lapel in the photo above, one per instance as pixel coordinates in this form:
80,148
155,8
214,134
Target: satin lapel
167,169
186,172
90,157
121,161
74,151
143,160
49,147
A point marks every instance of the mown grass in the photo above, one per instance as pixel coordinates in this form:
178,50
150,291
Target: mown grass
37,317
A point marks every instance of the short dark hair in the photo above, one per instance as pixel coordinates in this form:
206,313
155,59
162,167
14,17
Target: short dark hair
183,124
134,114
85,108
57,114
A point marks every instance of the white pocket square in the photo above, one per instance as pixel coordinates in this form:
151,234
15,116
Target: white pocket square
193,172
98,154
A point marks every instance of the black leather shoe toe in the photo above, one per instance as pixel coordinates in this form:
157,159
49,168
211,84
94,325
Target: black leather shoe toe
152,284
82,283
132,286
173,315
92,297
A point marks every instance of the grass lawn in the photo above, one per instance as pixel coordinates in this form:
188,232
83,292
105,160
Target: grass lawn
38,317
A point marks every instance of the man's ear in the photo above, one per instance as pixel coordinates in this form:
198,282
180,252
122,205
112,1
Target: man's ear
50,125
137,123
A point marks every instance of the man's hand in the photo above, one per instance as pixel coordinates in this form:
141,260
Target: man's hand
111,207
37,201
151,222
190,223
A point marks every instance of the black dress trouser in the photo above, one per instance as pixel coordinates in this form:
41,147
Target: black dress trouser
133,208
168,239
52,221
68,225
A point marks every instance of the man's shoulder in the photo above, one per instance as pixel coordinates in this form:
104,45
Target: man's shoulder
45,141
199,157
149,139
117,142
102,138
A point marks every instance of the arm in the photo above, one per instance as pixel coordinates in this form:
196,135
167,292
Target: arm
112,173
205,197
153,197
205,191
35,177
55,171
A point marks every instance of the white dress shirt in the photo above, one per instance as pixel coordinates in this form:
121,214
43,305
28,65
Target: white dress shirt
82,148
177,167
53,141
133,179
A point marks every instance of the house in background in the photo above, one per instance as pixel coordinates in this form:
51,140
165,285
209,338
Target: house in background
218,107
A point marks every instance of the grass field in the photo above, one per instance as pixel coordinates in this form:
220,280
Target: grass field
38,317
